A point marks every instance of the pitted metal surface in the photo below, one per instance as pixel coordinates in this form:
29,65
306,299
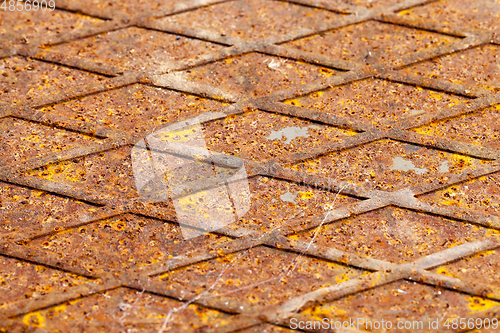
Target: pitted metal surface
368,130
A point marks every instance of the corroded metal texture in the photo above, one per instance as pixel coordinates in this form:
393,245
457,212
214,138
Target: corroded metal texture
368,130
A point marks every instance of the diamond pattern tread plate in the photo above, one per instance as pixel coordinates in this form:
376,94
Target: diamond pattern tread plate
368,129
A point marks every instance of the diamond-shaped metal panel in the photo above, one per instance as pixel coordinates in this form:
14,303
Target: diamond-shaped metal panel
371,42
241,135
484,15
27,26
254,19
377,101
145,50
122,309
393,302
394,234
29,81
475,67
390,165
134,108
480,128
480,194
258,277
256,74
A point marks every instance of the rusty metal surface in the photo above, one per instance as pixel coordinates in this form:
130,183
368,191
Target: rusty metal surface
482,15
475,67
380,234
26,27
146,50
25,80
256,74
371,42
369,131
377,101
255,19
133,108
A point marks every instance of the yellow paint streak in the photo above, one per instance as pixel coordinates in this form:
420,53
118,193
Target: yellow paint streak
185,134
436,95
306,195
461,160
427,130
318,313
310,166
443,271
34,319
492,232
60,308
341,278
205,315
348,132
326,72
54,171
316,94
450,202
478,304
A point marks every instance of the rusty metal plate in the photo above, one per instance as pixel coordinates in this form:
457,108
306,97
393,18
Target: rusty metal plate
117,243
394,234
145,50
481,194
371,42
267,329
475,67
21,140
390,165
484,266
111,173
108,172
484,15
276,202
480,128
260,276
29,81
245,136
254,19
402,301
373,183
26,26
22,280
27,208
121,309
257,74
134,108
130,8
377,101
